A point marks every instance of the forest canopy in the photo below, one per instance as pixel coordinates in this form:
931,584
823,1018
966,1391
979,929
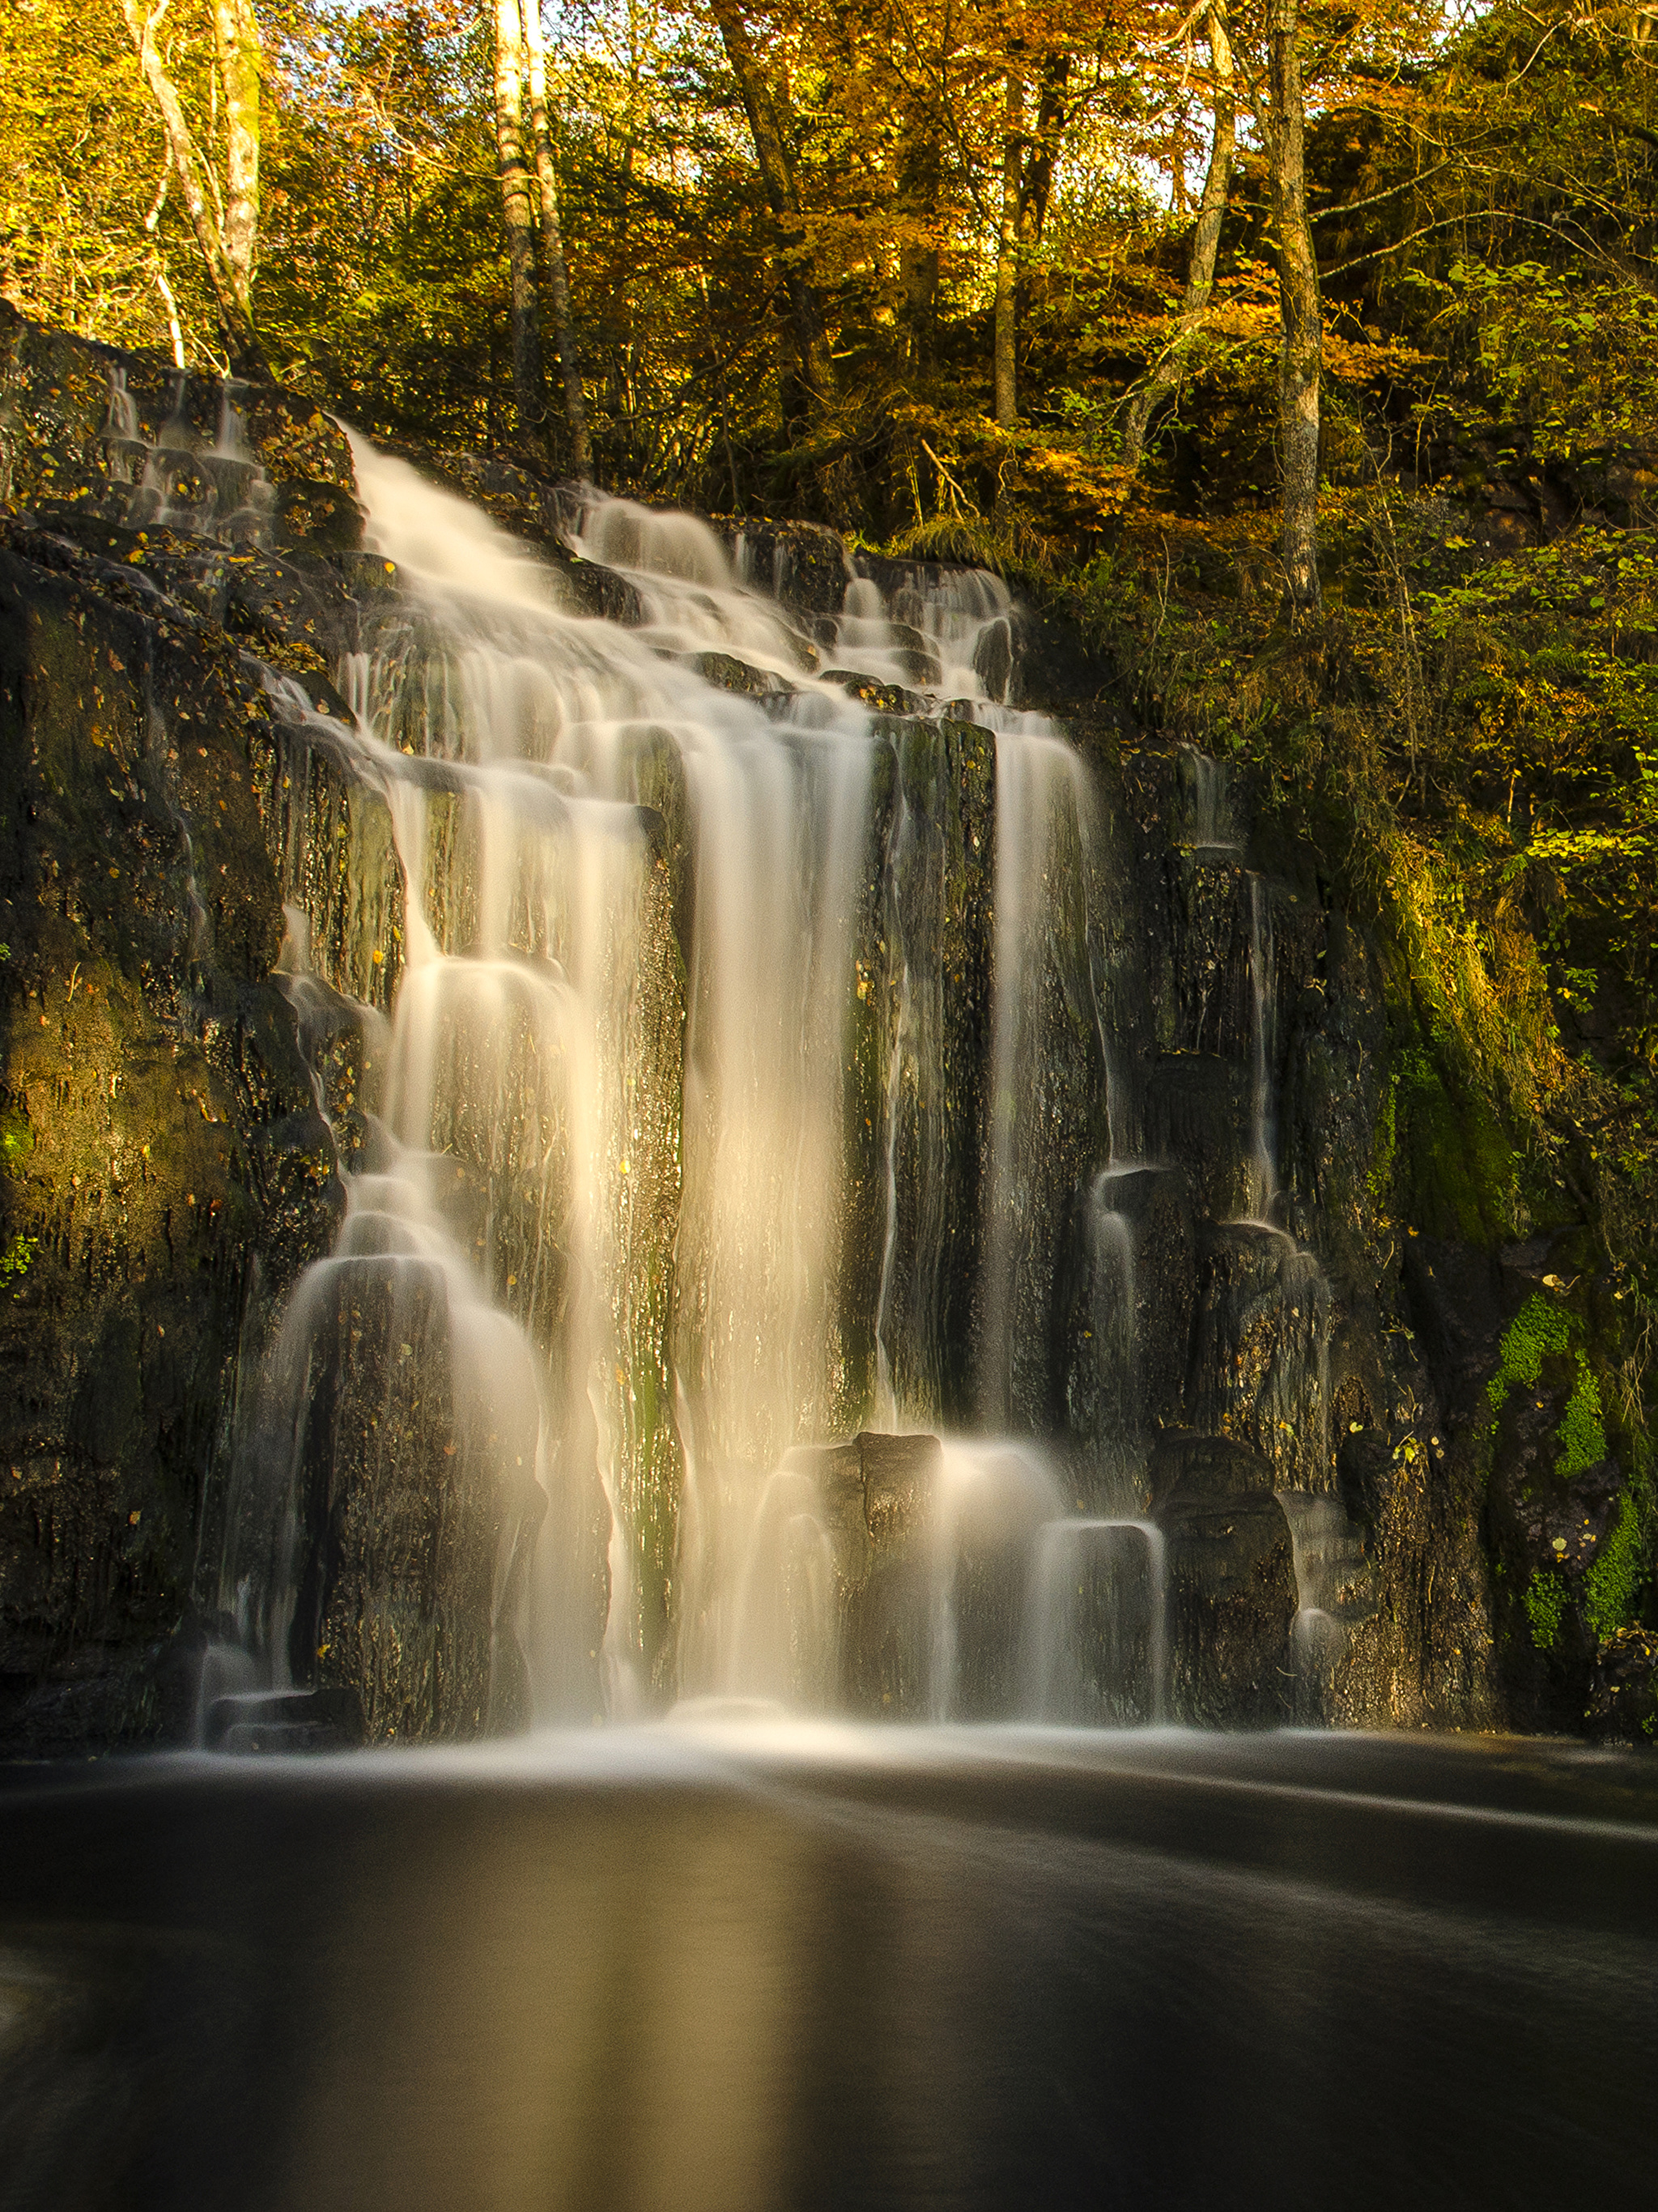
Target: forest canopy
1305,352
992,214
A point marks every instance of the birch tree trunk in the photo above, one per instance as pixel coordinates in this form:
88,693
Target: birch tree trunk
236,39
228,250
1301,363
777,180
1169,370
1005,338
529,387
552,246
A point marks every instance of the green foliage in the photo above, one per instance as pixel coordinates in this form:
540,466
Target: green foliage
1379,1182
1582,1434
17,1258
1575,361
16,1142
1539,1328
1460,1163
1546,1601
1613,1584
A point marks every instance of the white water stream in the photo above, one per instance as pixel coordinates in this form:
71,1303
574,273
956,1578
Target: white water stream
645,1175
744,1089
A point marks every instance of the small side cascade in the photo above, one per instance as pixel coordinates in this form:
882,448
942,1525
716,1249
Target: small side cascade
1096,1637
125,449
216,490
1212,825
693,599
992,1501
1332,1590
1111,1243
947,632
783,1644
1263,1091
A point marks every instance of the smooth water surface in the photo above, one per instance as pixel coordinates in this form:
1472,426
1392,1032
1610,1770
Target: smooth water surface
737,1963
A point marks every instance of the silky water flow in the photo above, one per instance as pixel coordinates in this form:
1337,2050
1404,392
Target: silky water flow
655,1176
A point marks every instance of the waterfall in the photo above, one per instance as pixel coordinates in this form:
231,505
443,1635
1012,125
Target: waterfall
1097,1622
1332,1589
1263,1054
215,490
736,1294
992,1501
641,1099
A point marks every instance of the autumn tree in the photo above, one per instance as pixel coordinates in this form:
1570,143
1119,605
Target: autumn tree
518,215
225,222
1169,365
763,89
552,242
1301,364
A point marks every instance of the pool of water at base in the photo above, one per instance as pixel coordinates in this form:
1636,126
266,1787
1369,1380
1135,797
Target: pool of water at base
731,1964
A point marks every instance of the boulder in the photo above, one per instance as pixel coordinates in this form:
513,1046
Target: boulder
877,1496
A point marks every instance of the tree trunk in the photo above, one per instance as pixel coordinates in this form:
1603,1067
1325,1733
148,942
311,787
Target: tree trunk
1302,360
1036,183
528,388
236,39
231,277
552,247
777,180
1006,396
1169,367
919,176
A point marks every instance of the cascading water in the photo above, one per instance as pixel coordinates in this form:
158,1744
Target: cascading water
1263,1130
181,482
745,1085
1097,1637
1332,1589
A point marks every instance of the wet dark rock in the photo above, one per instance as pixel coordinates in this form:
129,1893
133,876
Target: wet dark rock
1623,1706
1207,1006
941,873
169,1175
1232,1606
1455,1302
732,674
1193,1470
885,698
284,1721
803,565
1197,1112
878,1494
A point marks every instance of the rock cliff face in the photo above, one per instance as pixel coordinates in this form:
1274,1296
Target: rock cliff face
1370,1440
167,1172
